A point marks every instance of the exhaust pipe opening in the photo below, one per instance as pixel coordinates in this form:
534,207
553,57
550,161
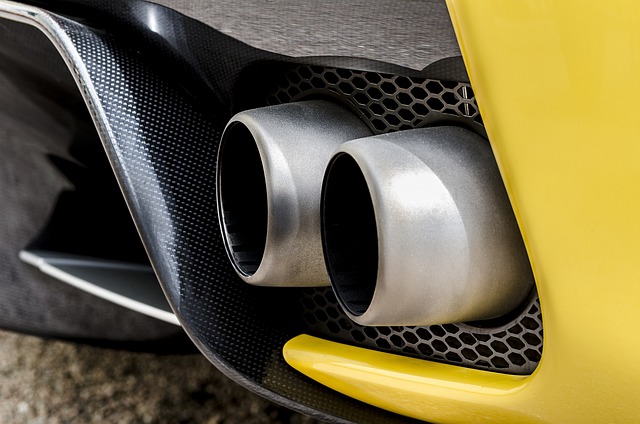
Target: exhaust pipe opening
243,198
350,234
270,169
418,230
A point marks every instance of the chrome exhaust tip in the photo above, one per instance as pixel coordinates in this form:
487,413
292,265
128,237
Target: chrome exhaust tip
418,230
269,180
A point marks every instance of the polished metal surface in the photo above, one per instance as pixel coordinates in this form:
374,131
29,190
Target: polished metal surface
269,179
447,246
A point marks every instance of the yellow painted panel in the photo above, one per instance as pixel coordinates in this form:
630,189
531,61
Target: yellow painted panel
557,82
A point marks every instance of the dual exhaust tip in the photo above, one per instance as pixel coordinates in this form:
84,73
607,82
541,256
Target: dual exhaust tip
410,228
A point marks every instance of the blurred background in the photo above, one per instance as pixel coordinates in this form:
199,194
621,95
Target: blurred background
49,381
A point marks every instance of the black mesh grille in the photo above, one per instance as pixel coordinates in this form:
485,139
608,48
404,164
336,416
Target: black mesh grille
391,103
514,346
386,102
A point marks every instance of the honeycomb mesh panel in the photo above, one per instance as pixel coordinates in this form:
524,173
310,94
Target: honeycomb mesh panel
387,102
513,347
391,103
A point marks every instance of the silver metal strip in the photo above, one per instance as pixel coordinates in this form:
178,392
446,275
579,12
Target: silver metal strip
132,286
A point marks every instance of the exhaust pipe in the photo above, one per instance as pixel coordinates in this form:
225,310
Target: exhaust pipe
418,230
269,181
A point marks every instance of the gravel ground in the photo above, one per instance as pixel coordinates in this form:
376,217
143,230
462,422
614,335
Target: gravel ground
47,381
